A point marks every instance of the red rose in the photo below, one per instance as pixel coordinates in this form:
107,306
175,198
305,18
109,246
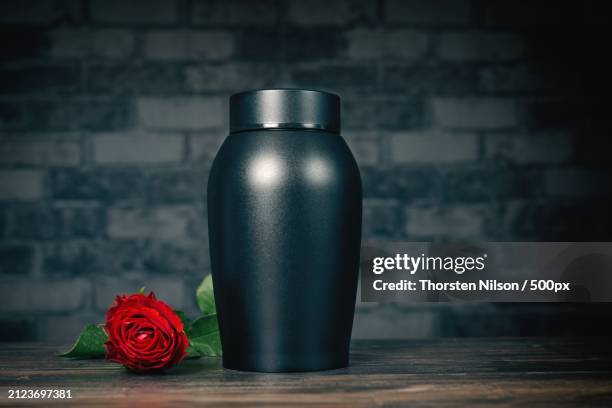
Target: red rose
144,334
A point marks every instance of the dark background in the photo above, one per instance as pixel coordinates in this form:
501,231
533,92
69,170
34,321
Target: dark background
470,120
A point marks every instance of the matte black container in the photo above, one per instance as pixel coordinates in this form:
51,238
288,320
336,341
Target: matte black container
284,215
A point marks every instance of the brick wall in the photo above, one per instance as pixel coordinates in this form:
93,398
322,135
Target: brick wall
469,119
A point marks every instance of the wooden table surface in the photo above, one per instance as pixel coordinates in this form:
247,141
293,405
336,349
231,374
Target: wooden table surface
501,372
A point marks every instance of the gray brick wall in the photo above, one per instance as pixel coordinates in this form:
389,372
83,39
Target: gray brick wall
470,119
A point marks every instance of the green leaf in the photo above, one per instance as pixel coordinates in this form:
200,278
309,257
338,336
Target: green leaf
208,345
206,297
204,336
186,321
141,290
204,325
90,343
192,353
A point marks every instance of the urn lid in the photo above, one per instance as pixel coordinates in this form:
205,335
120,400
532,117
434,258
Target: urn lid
284,109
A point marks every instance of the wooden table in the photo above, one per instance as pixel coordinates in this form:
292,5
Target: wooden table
434,373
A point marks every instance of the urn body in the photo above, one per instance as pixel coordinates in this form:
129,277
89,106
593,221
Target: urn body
284,214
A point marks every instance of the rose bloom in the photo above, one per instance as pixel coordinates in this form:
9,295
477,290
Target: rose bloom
144,334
